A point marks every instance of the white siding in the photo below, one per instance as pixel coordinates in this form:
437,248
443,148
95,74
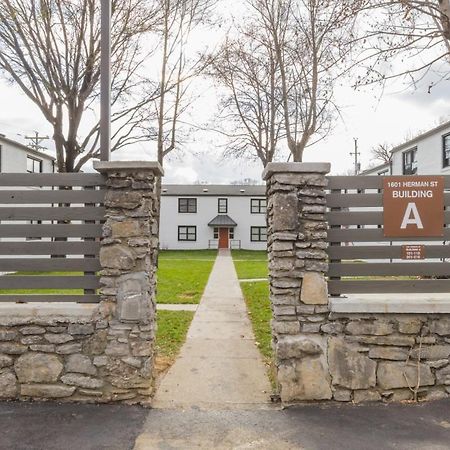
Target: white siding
429,155
14,159
207,209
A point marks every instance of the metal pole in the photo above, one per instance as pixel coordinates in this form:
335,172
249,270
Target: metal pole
105,81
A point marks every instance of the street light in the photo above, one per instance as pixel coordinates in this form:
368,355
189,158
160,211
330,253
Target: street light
105,81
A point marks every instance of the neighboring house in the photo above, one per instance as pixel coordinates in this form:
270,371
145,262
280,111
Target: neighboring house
213,216
17,158
426,154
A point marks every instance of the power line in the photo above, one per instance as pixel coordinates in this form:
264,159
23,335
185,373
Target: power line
36,140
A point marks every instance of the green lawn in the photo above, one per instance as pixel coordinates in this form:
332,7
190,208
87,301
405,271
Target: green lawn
250,264
188,254
256,296
182,275
257,299
171,333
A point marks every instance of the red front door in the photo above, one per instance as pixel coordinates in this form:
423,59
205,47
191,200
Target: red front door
223,237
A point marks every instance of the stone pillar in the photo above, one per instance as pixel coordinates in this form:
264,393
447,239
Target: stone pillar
298,289
128,257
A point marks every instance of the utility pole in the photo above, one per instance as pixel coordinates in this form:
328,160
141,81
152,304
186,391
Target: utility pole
356,154
36,140
105,81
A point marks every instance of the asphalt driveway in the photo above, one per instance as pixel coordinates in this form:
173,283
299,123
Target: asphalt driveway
53,426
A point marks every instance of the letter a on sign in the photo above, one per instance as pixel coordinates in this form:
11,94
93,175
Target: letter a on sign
411,217
413,206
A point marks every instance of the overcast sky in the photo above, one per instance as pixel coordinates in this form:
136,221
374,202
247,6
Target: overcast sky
366,114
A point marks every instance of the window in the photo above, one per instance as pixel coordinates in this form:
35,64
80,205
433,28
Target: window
409,162
223,205
216,233
187,233
187,205
258,205
446,150
34,165
231,235
258,234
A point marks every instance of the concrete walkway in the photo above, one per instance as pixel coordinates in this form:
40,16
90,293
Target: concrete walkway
219,366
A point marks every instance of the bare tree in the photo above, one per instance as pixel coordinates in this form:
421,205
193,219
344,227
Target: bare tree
251,111
382,153
50,49
178,67
406,38
281,71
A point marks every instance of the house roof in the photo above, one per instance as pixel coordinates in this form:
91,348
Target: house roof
413,141
214,190
375,168
6,140
222,220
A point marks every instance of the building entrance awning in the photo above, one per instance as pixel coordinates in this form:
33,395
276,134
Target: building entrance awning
222,220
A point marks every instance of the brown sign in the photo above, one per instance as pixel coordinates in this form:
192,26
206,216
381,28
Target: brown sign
413,252
413,206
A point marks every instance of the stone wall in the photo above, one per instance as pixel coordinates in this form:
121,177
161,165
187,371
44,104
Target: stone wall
324,355
102,352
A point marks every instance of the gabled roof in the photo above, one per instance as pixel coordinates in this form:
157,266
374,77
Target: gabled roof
413,141
375,168
222,220
213,190
29,150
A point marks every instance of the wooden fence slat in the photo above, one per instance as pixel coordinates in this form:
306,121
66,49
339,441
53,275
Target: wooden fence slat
375,235
388,286
50,248
32,298
383,252
365,182
52,213
51,196
57,230
52,179
389,269
363,217
49,264
48,282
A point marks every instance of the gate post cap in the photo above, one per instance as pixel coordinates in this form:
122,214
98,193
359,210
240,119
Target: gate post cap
135,166
296,167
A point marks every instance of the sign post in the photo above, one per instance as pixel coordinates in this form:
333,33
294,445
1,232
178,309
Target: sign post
413,206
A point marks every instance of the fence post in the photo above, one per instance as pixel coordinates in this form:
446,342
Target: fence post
297,242
128,257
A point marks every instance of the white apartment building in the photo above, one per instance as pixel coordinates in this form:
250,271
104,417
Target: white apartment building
195,217
426,154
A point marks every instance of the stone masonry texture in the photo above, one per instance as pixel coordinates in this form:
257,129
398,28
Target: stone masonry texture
108,356
322,355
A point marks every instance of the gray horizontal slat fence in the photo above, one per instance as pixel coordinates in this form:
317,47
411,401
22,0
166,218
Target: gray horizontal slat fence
49,248
358,265
57,252
52,213
51,196
50,231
